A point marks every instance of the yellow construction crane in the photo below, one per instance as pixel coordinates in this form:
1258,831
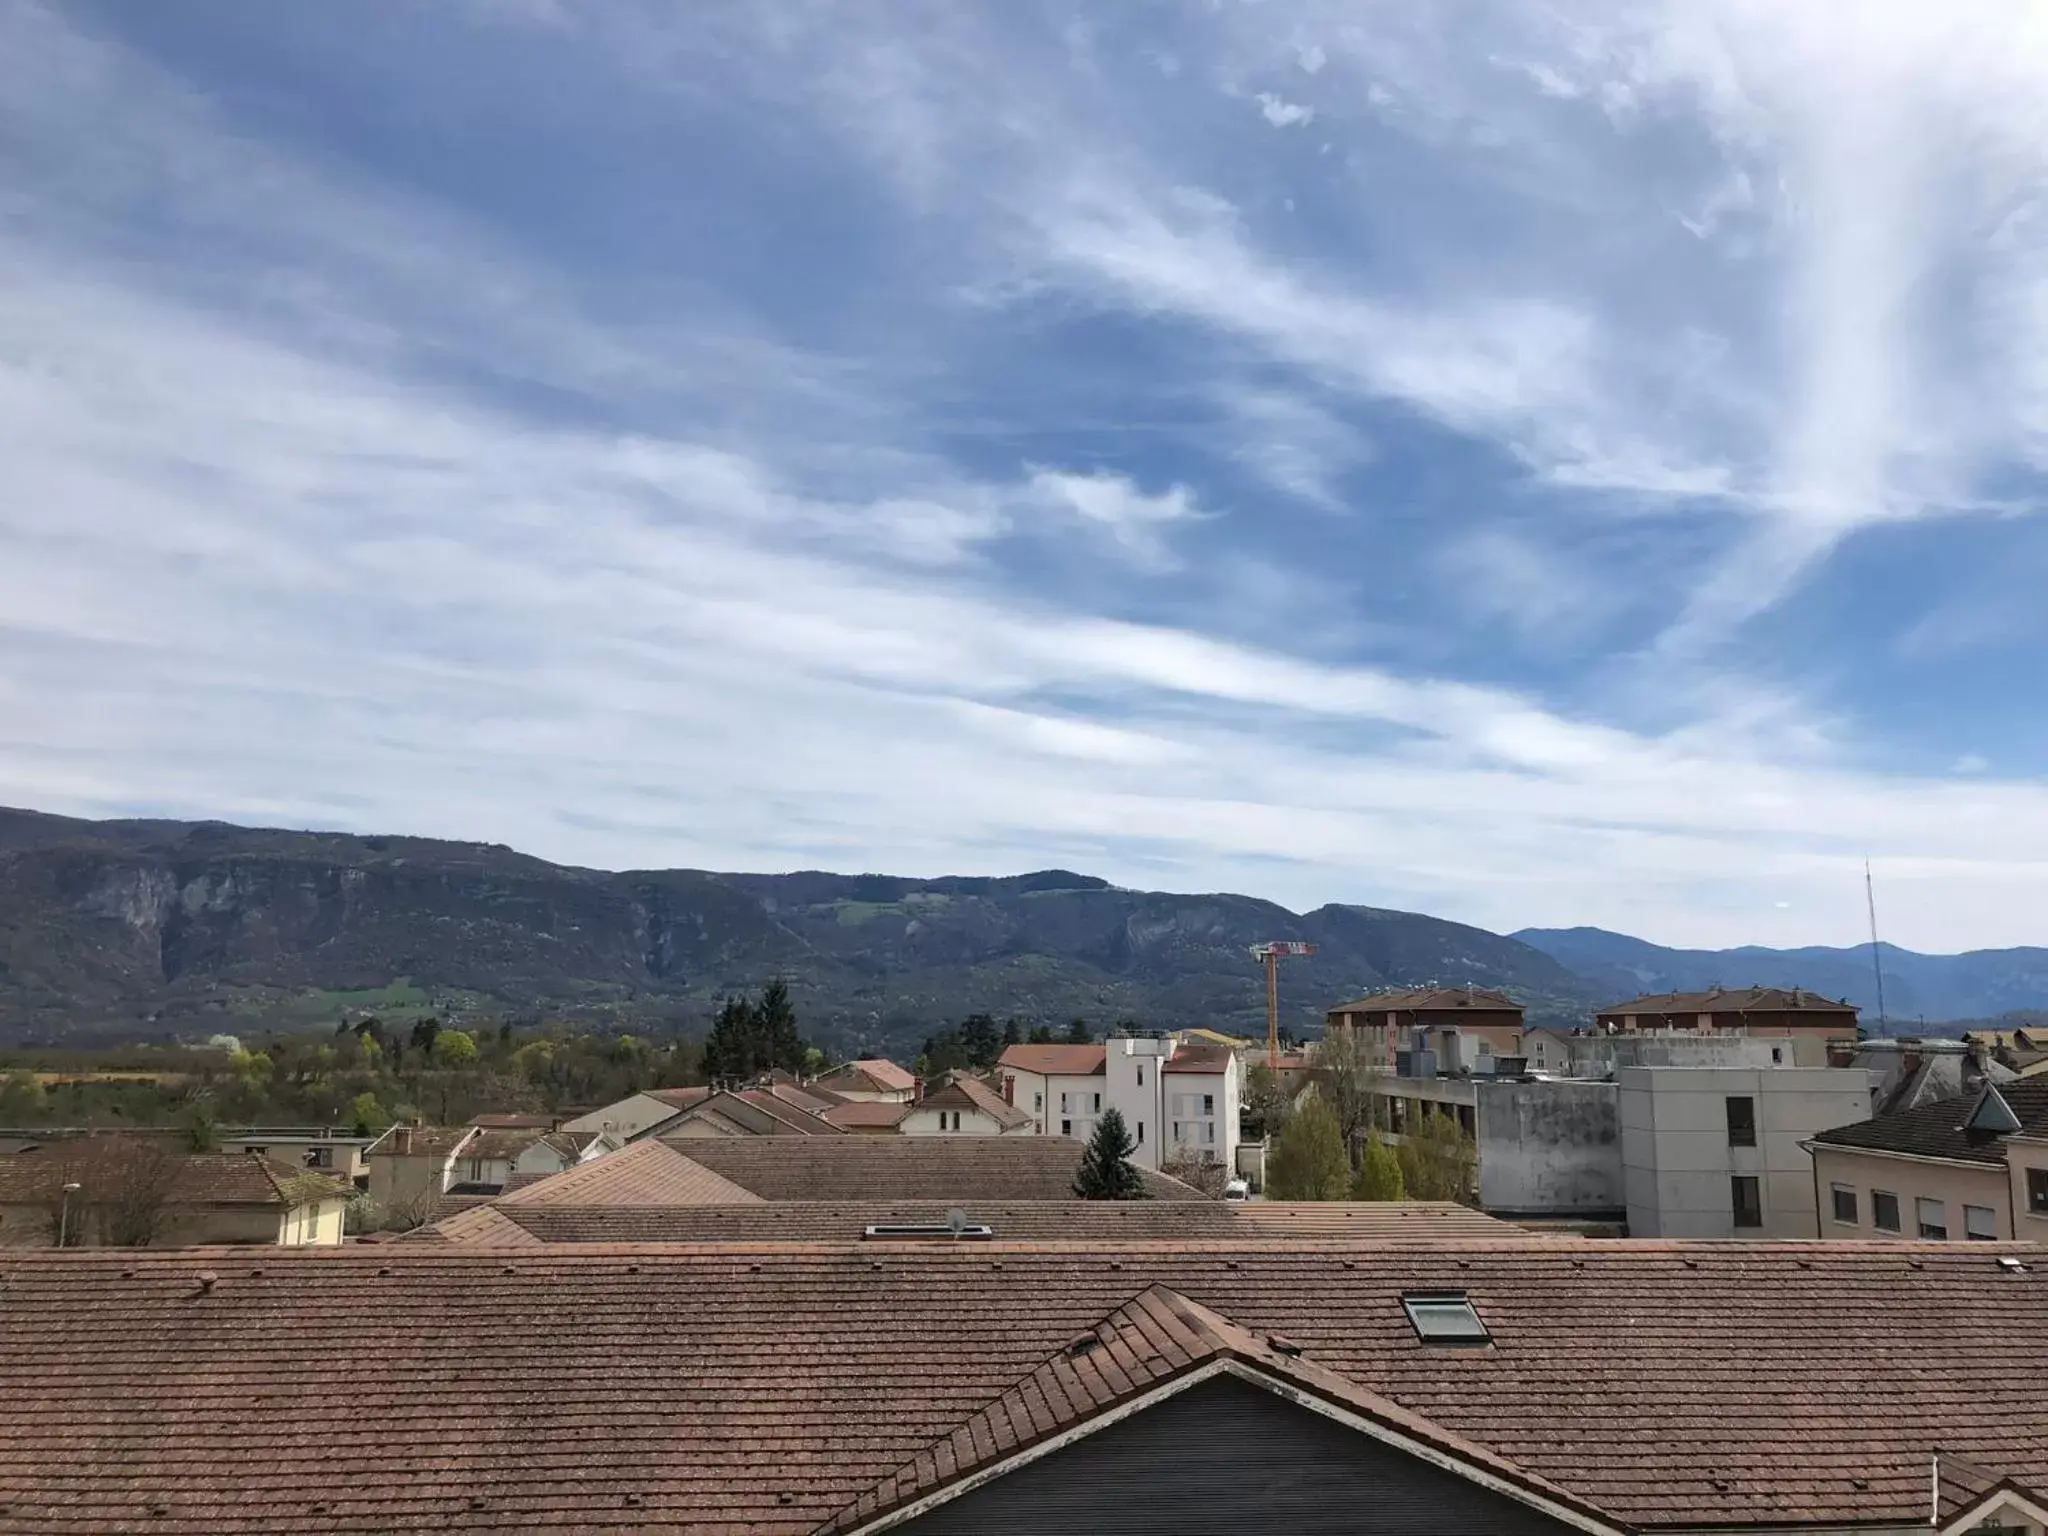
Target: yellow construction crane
1270,955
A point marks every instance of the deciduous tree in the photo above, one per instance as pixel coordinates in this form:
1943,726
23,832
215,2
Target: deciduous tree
1379,1172
1308,1161
1438,1160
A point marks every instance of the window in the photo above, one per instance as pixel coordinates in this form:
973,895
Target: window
1095,1107
1845,1204
1980,1224
1933,1218
1777,1055
1741,1122
1141,1133
1038,1103
1884,1210
1141,1077
1746,1190
1444,1317
1208,1103
1066,1127
2037,1191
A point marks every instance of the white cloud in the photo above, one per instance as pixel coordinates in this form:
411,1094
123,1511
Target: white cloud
1119,511
263,563
1283,114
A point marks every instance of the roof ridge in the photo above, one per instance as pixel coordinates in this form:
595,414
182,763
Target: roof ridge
1157,1337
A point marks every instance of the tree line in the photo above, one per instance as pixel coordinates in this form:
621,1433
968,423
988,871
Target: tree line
978,1042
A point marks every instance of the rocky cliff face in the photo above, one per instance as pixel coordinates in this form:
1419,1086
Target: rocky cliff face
134,928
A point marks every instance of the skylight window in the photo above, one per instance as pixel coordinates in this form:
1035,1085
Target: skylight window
1445,1317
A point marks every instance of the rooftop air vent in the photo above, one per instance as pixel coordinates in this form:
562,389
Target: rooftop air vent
1444,1317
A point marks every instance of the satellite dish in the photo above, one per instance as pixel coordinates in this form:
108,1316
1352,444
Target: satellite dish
957,1220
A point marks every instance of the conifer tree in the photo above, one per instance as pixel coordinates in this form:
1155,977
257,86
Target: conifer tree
1106,1172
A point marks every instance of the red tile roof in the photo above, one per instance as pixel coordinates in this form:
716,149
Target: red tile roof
38,1176
646,1173
813,1221
1201,1059
1431,999
513,1122
1154,1339
874,1073
1670,1384
1739,1000
856,1114
1054,1060
420,1141
680,1098
951,1168
963,1090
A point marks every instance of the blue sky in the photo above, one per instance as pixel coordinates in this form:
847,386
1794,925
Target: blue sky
1532,465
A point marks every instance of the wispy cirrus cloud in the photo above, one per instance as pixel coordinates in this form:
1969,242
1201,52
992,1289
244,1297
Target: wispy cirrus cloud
1008,451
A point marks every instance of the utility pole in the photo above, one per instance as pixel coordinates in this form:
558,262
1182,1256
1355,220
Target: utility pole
1270,955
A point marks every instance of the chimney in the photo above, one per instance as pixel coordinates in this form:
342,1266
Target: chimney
401,1141
917,1090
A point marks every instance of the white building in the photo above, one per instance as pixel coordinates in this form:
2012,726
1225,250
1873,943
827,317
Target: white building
963,1105
1716,1151
1173,1098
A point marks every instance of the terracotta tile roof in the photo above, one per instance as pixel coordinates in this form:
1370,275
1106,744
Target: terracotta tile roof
646,1173
873,1073
513,1122
38,1176
1941,1129
679,1098
811,1221
1671,1384
1201,1059
1157,1337
1054,1060
500,1146
951,1168
963,1090
1725,1000
857,1113
420,1141
771,1115
1434,999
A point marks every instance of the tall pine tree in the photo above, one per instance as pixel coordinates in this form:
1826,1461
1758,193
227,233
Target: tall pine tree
781,1043
1106,1172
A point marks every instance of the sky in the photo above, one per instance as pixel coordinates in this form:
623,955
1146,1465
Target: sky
1536,465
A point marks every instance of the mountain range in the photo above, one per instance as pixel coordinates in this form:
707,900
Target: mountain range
1980,984
127,930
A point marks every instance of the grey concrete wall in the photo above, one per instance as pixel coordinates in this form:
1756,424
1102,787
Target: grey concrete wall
1553,1148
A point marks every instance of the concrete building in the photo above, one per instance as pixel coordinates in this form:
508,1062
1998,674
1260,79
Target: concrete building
1742,1011
1463,1025
1548,1150
1972,1166
1174,1098
319,1148
1721,1151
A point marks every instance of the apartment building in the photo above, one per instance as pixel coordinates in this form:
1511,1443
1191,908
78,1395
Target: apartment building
1175,1099
961,1104
1973,1167
1463,1025
1721,1151
1739,1011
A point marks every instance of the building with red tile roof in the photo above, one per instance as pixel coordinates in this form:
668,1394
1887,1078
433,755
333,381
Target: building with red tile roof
935,1388
131,1190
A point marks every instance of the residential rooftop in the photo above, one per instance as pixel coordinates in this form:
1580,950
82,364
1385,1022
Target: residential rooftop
1966,1127
1737,1000
815,1221
1432,1000
774,1388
